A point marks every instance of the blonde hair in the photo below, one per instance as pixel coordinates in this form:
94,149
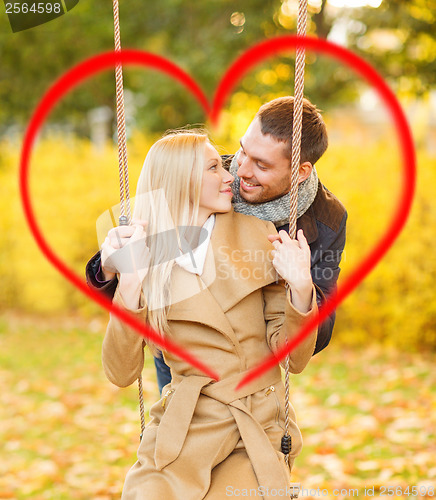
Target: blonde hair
168,196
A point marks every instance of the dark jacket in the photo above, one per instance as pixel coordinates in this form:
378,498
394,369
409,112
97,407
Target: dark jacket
324,226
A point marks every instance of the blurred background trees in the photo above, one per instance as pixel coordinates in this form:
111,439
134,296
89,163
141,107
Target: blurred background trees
203,38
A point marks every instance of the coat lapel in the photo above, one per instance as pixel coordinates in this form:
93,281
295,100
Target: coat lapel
191,299
238,262
242,258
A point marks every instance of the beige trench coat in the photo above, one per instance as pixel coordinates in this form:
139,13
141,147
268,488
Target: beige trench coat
204,439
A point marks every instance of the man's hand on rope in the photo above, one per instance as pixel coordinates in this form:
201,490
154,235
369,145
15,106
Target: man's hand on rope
291,259
125,251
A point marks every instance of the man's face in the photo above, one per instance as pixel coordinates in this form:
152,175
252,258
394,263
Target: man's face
264,169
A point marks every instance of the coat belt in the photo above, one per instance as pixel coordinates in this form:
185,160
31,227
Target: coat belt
174,425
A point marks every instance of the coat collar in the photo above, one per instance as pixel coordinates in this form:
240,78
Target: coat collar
238,262
327,209
307,223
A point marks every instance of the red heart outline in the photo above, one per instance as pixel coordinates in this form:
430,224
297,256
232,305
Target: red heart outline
233,75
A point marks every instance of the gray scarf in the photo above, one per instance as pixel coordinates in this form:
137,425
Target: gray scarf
276,211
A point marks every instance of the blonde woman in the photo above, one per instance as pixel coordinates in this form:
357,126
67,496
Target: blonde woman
221,301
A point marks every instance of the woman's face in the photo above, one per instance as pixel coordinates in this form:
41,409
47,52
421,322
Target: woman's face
216,193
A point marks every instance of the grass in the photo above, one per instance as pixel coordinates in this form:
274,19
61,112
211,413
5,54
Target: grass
367,415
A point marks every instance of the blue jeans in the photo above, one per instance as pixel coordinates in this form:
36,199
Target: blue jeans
163,372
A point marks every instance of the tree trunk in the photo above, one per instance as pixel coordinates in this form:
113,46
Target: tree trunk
323,27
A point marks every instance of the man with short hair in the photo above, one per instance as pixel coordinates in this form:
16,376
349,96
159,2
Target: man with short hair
262,172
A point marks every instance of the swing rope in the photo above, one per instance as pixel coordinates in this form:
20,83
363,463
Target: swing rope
124,219
121,125
296,146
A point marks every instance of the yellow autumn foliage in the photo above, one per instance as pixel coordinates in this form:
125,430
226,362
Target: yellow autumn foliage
72,184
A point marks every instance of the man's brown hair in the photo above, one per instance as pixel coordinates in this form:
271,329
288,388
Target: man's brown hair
276,119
